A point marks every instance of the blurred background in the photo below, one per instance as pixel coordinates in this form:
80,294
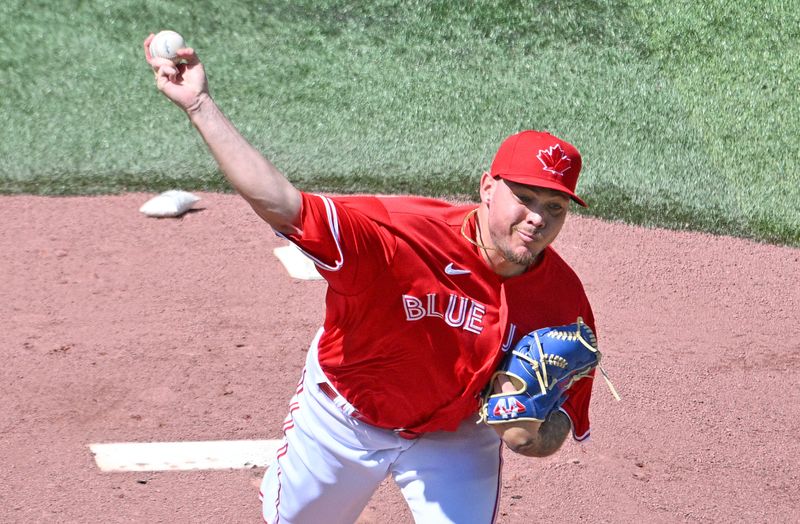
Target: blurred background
685,112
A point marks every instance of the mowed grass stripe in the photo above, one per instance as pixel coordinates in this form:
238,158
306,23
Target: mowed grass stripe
685,112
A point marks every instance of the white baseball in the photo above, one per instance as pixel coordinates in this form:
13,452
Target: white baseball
166,44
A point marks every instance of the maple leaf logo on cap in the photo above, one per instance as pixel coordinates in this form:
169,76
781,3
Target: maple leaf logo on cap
554,160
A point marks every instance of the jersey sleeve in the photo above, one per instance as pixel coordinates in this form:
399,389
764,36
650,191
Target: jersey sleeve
576,407
349,248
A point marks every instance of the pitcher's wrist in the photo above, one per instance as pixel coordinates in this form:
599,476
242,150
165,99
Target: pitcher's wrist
202,103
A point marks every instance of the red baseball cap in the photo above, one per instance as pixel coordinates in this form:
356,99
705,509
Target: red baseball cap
537,158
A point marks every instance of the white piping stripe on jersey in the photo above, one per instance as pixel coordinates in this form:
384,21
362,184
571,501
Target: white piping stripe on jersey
333,225
333,216
579,438
582,438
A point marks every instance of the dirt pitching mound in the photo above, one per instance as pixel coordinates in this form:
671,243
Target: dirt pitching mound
117,327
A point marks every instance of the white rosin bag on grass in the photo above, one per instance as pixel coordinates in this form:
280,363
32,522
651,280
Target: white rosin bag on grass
171,203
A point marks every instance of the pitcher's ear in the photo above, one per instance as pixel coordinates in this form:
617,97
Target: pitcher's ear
487,187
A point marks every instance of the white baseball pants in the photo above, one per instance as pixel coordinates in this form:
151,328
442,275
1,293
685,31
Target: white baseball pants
330,464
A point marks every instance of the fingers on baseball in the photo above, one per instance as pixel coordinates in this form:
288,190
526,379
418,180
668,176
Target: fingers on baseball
167,71
147,46
188,55
156,62
185,54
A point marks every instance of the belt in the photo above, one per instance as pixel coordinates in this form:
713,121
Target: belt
331,394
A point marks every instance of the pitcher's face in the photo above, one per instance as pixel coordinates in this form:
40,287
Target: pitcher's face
522,219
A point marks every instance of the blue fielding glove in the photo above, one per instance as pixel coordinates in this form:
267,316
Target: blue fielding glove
542,367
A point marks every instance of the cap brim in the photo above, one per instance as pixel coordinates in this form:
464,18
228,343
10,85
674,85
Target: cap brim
547,184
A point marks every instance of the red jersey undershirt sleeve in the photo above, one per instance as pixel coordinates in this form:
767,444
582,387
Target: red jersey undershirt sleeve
576,406
349,248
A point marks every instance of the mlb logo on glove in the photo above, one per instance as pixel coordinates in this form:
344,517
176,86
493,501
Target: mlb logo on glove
508,408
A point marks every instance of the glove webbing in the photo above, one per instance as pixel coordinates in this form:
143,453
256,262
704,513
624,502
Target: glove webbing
540,366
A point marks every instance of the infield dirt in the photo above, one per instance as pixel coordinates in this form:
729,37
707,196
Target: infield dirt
117,327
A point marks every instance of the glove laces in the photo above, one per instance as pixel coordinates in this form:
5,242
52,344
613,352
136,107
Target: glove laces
540,366
593,347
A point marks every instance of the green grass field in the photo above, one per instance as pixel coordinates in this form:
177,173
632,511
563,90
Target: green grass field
685,111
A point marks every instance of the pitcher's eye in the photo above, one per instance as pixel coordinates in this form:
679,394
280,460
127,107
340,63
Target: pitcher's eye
524,199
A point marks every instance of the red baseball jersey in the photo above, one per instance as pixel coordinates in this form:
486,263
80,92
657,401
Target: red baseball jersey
416,321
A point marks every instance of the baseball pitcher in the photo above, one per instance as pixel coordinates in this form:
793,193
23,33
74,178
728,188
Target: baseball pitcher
449,330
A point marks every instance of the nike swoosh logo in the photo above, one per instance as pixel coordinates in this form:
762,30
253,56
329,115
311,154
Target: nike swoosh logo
451,270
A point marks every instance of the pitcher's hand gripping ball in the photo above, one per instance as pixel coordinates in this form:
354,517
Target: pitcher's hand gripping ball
166,44
542,367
